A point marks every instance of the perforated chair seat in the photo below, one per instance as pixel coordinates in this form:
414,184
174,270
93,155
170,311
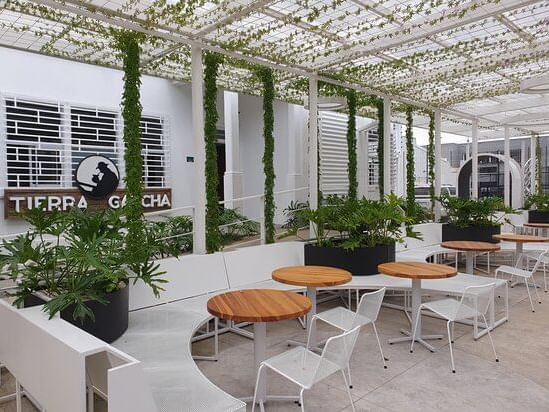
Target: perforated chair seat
449,308
514,271
299,365
343,318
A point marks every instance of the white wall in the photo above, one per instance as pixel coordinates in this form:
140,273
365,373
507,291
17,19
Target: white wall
47,78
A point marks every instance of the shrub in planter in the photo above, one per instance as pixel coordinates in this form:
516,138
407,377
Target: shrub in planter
356,235
538,208
77,263
469,219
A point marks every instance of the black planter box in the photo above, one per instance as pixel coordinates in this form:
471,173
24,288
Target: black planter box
473,233
111,320
537,216
360,262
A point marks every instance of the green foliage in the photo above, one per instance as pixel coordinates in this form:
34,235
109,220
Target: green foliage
353,223
74,258
213,236
380,149
431,161
469,212
236,226
351,144
539,201
539,183
128,44
294,219
266,76
410,165
173,234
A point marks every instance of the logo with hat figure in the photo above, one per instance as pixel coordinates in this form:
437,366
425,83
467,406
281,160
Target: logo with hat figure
97,177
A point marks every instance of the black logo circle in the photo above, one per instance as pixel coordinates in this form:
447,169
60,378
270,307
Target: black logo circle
97,177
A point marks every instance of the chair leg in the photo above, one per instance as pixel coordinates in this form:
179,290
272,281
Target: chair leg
348,391
490,336
414,331
379,345
535,288
258,379
529,295
451,350
301,403
453,334
311,327
544,278
349,373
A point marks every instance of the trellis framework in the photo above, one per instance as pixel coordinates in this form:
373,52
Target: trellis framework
466,58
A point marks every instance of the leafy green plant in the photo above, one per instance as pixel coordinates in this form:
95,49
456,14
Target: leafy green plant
410,166
431,161
236,226
128,44
266,76
173,234
351,144
539,201
353,223
213,236
76,257
294,219
468,212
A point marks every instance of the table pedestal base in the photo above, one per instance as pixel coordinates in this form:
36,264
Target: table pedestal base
311,294
419,339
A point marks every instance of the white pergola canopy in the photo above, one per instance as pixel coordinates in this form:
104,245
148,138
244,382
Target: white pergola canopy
466,58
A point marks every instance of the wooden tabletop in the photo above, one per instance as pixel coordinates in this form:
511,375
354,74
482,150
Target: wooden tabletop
470,246
259,305
540,225
511,237
417,270
314,276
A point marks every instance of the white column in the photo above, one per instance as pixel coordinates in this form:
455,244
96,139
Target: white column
362,158
438,163
199,220
387,156
533,162
232,180
523,156
474,161
313,146
506,169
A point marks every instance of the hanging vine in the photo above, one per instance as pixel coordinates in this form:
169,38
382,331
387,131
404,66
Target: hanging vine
266,76
431,160
539,183
380,149
410,166
213,235
128,44
351,144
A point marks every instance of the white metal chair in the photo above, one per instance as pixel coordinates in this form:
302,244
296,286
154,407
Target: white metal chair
345,319
476,301
305,368
525,274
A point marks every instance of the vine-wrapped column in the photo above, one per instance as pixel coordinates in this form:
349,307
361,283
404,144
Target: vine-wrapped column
410,166
431,161
438,164
266,75
380,145
351,145
128,44
474,160
387,146
213,236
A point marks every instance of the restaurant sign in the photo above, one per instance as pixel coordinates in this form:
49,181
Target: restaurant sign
97,178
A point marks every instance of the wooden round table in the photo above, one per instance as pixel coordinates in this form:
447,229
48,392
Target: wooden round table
538,225
260,306
519,241
416,271
312,277
470,248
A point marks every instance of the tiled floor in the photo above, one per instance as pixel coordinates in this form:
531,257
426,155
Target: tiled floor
421,381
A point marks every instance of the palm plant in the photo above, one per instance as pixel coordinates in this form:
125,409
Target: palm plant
538,202
469,212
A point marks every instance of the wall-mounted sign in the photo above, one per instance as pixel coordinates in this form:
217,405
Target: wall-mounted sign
97,177
19,200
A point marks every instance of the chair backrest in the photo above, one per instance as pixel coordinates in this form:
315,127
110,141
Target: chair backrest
542,258
336,353
478,298
369,306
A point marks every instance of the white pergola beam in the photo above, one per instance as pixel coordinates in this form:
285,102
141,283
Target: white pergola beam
521,104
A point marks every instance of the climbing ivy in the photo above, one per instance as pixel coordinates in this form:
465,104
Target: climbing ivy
410,166
539,183
128,45
431,160
266,76
351,144
380,154
213,235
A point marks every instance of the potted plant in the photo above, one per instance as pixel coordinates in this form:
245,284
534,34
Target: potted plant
356,235
469,219
75,264
538,208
